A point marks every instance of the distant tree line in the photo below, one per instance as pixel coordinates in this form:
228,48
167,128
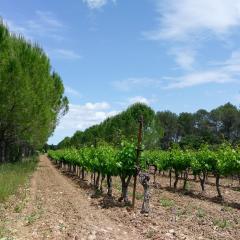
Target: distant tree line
114,129
164,128
31,97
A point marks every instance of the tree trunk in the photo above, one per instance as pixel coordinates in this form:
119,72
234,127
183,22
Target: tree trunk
83,173
125,183
92,182
154,174
97,181
218,186
144,179
170,177
125,194
2,148
194,177
185,179
101,184
109,184
94,178
202,181
7,154
176,180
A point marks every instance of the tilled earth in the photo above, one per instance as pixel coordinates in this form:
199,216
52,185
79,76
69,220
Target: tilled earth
58,205
55,208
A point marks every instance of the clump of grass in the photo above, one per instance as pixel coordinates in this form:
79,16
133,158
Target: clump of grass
139,196
32,218
3,231
13,175
150,233
200,213
222,223
164,202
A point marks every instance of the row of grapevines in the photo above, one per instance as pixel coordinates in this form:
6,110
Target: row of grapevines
103,160
224,161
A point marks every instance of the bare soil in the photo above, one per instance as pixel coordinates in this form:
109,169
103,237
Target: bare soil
56,208
58,205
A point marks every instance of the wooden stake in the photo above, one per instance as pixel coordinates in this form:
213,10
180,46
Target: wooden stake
139,149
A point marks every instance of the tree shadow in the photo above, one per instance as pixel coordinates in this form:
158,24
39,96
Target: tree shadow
112,202
203,197
76,179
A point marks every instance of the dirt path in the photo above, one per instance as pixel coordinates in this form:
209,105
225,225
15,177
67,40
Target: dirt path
57,209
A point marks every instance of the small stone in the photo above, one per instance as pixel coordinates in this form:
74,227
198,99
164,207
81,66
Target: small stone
172,231
91,237
169,235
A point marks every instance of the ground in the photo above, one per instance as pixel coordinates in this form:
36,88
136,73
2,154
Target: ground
58,205
55,208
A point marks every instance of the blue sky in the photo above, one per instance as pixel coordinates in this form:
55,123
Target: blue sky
173,55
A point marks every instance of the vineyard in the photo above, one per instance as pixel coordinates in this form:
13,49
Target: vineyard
105,161
196,191
131,147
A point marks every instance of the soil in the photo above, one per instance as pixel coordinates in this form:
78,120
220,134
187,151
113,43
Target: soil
58,205
55,208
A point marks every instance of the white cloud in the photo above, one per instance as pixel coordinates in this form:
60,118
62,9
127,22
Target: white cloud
80,117
134,83
139,99
64,54
237,98
72,91
224,72
198,78
184,58
49,19
43,24
96,106
220,72
179,20
97,4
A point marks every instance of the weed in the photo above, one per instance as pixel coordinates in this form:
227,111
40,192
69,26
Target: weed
139,196
31,218
2,231
164,202
200,213
18,208
222,223
150,233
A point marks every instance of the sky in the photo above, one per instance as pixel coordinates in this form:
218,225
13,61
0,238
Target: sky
172,55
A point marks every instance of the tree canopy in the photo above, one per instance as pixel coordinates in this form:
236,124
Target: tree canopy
31,96
164,128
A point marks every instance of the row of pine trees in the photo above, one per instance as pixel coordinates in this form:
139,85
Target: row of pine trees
31,97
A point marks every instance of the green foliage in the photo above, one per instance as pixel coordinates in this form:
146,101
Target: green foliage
103,159
164,202
223,161
12,175
123,126
228,160
31,97
205,160
221,223
126,159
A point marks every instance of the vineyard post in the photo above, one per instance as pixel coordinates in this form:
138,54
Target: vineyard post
94,174
139,149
